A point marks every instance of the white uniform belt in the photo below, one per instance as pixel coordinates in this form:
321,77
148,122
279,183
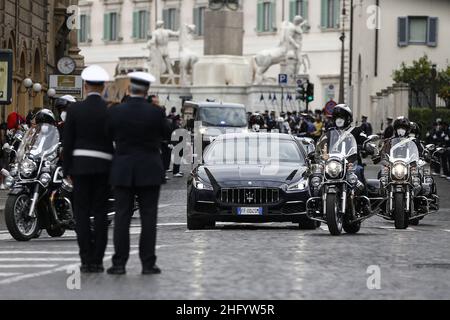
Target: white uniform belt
92,154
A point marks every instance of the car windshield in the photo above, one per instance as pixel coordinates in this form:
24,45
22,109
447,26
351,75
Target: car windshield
223,116
38,140
266,151
342,143
404,149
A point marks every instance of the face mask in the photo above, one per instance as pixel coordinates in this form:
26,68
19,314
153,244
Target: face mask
401,132
64,116
340,122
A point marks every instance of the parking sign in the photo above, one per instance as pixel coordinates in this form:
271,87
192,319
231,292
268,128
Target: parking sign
282,79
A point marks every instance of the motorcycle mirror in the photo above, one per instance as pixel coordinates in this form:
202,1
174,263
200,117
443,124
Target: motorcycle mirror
440,150
373,137
430,147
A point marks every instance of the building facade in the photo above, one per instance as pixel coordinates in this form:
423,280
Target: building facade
115,29
36,32
407,29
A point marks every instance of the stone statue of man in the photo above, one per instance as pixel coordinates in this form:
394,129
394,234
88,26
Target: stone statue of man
158,44
293,38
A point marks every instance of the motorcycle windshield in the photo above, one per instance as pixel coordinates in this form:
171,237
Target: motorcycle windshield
404,149
342,144
38,141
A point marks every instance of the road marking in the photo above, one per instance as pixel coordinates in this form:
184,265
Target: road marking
10,274
44,252
37,259
17,266
47,272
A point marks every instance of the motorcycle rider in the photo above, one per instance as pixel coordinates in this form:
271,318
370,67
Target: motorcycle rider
445,156
342,119
434,136
61,105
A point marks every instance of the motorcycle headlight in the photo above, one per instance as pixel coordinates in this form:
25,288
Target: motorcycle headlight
302,185
27,167
416,181
429,180
399,171
315,182
352,178
333,169
45,179
200,185
9,182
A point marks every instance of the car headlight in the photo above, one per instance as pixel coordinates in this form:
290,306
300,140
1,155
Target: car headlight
302,185
333,169
27,167
203,130
399,171
200,185
45,179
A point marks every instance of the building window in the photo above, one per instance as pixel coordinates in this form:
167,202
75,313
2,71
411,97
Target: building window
171,19
199,20
266,16
331,13
140,24
111,26
417,30
84,31
298,8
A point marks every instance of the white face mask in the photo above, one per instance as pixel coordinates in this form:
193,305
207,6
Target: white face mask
401,132
63,116
340,122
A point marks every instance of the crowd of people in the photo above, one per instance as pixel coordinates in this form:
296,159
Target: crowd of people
439,135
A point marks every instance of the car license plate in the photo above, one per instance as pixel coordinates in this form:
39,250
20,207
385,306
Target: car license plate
250,211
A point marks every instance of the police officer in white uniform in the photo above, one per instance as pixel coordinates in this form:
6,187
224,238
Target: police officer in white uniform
87,156
137,128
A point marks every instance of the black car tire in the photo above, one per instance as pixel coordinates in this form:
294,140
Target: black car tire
56,233
307,224
195,223
352,228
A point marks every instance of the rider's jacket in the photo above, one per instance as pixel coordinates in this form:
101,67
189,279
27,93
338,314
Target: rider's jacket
434,136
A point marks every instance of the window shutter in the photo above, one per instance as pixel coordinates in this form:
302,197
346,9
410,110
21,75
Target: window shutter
119,26
337,13
177,20
260,20
432,31
305,9
273,16
106,26
324,14
88,28
147,24
196,15
402,31
166,18
292,10
136,24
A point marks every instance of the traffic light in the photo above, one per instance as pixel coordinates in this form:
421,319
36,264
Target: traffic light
310,92
301,93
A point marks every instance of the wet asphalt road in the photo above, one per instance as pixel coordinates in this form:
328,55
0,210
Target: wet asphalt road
270,261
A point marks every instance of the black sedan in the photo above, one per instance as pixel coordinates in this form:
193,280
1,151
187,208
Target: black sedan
250,177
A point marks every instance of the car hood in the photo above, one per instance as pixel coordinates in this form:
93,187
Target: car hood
252,175
217,131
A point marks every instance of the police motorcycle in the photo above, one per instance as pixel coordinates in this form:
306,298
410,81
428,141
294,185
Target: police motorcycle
39,197
337,193
406,182
14,138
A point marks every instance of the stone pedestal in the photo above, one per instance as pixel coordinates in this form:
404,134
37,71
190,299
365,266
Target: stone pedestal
222,70
224,33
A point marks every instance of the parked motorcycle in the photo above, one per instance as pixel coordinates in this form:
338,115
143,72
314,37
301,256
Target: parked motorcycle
14,139
337,192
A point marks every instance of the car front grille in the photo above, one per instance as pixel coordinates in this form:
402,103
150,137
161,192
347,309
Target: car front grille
249,196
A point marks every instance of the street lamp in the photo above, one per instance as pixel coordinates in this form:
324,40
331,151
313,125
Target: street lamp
32,88
434,75
51,93
342,39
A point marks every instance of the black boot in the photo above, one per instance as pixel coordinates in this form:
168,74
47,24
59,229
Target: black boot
117,270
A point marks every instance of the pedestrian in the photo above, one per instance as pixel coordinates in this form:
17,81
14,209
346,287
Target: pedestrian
389,131
434,136
137,170
87,160
177,157
366,127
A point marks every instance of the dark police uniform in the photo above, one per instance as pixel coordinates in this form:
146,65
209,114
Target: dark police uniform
87,156
137,128
389,131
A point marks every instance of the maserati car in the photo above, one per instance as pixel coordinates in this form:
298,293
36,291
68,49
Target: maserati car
250,177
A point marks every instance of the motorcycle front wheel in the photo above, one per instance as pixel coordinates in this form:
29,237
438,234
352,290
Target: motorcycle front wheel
20,225
400,216
333,214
